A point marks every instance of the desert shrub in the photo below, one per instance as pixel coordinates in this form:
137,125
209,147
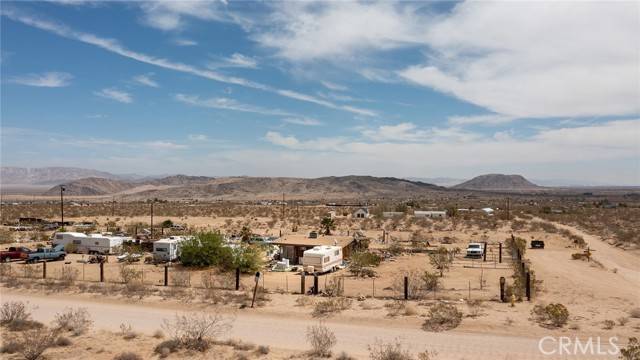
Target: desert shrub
344,356
335,287
180,278
430,281
6,237
362,260
126,331
68,276
631,351
623,320
63,341
415,285
11,347
442,317
127,355
608,324
14,311
330,306
395,248
158,334
475,307
263,350
35,342
401,307
206,249
552,315
388,351
321,339
168,345
304,301
195,330
441,259
635,313
128,274
77,321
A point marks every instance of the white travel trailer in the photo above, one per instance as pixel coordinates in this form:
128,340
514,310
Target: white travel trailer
168,249
90,244
322,258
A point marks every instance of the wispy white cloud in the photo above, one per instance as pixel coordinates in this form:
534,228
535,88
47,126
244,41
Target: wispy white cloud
240,60
146,80
228,104
302,121
489,119
184,42
333,86
170,15
48,79
409,132
115,47
115,94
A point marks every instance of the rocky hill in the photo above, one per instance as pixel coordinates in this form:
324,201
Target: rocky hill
498,182
247,188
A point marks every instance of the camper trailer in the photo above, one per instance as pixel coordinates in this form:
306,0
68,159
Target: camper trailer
322,258
168,249
89,244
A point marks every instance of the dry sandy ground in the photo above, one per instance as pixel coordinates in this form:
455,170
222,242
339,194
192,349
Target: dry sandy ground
285,332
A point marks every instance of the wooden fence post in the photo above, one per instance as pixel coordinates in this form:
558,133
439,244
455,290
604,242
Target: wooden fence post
315,284
406,288
302,279
528,286
500,253
484,255
44,270
237,279
101,271
166,275
502,285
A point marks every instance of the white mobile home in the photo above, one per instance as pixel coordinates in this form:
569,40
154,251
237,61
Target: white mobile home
168,249
89,244
322,258
430,214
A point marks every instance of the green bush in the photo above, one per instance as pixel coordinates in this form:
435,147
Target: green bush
442,317
552,315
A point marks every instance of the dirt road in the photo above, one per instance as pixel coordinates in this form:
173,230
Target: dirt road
287,333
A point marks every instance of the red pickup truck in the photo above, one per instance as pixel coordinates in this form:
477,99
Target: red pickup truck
15,253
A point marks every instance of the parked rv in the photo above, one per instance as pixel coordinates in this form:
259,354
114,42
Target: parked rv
322,258
90,244
168,249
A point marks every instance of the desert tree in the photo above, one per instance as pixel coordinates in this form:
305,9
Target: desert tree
327,224
441,259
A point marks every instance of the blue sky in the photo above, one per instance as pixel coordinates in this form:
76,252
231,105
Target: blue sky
547,90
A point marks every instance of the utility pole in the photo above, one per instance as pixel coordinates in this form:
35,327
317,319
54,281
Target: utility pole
152,201
283,206
62,205
113,206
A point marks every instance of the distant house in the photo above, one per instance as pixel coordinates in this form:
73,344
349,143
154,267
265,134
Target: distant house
392,214
292,247
361,213
487,210
430,214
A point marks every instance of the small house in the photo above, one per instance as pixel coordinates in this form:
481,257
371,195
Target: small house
361,213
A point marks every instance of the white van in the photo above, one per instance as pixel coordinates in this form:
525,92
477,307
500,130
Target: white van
90,244
168,249
322,258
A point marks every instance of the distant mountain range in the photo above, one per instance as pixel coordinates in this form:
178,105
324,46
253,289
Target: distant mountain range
54,175
498,182
201,187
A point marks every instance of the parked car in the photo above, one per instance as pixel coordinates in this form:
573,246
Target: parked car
14,253
537,244
475,249
55,253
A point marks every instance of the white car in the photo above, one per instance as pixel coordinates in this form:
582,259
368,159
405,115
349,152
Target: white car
475,250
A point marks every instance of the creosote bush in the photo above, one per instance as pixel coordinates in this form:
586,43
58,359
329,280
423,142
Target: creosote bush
321,339
127,355
194,331
442,317
35,342
77,321
552,315
331,306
